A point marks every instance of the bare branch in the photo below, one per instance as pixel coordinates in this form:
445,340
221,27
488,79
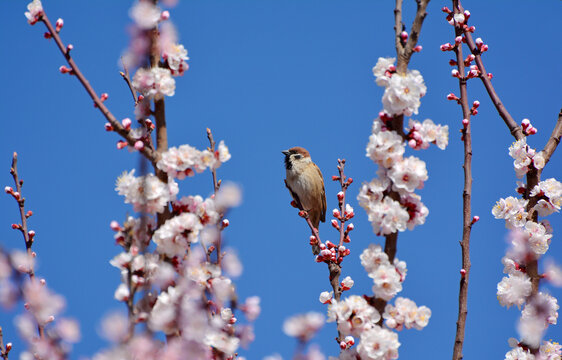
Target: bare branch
117,127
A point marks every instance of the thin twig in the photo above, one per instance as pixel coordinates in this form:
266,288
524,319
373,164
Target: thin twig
466,197
127,78
4,351
117,127
216,186
23,226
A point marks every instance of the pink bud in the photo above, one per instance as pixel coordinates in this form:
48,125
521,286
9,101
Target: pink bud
43,282
108,127
225,223
114,225
139,145
446,47
466,14
330,244
350,227
165,15
322,246
8,190
59,24
490,75
313,240
471,29
8,347
16,195
349,181
69,47
412,143
404,35
335,178
463,272
465,122
64,70
28,213
343,345
532,130
340,196
16,226
335,224
392,68
31,234
141,97
452,62
479,42
104,96
476,104
47,35
525,123
484,48
475,219
417,48
455,73
458,40
121,144
126,123
452,96
445,10
336,213
474,111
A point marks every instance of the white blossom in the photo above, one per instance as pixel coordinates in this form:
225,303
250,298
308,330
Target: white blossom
402,94
303,326
514,289
145,14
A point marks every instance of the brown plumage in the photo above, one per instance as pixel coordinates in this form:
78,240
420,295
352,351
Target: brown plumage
306,184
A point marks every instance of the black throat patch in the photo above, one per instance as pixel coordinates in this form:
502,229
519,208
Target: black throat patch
288,163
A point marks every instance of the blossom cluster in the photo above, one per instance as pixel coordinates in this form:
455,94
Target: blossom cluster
43,308
402,91
387,277
529,241
398,174
523,156
179,162
146,193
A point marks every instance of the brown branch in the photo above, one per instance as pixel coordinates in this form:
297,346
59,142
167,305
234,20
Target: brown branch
466,196
553,141
4,350
127,78
398,27
23,226
149,153
216,187
405,53
515,130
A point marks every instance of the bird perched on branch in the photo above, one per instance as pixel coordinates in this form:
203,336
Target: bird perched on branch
306,184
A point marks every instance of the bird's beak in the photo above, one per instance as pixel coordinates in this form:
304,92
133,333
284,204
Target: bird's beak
286,152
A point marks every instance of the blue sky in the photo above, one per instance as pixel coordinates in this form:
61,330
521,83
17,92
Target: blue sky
264,76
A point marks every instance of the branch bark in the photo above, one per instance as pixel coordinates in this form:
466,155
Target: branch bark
466,196
149,153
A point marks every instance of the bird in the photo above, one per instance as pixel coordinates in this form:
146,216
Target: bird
306,183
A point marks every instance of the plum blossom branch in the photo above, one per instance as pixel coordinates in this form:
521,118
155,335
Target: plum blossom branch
4,349
485,76
468,220
149,153
406,45
28,236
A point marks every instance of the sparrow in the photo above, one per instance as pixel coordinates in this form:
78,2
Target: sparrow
306,184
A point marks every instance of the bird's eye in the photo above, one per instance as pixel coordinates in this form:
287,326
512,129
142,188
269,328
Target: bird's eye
298,156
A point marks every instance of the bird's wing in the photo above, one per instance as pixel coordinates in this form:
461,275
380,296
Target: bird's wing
323,195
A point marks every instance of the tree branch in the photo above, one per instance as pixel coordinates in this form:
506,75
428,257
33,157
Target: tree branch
405,53
149,153
466,196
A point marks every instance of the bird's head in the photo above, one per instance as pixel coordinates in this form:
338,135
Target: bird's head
296,156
